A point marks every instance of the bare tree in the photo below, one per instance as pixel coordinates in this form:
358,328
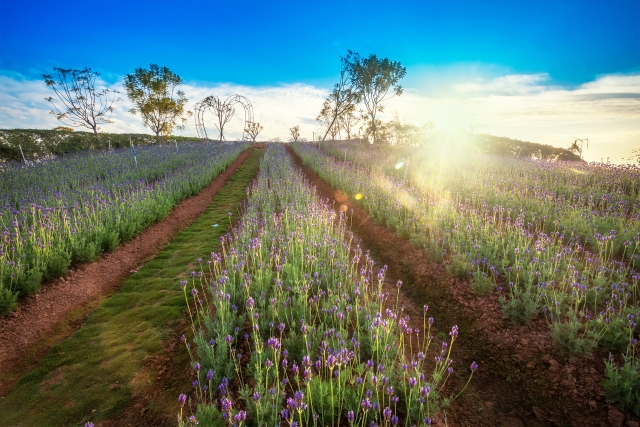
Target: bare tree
82,104
295,133
342,99
578,145
253,129
474,125
223,113
372,78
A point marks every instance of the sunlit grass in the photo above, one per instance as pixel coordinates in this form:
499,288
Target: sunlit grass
96,373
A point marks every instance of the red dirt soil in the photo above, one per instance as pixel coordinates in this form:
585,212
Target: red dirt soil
26,335
521,381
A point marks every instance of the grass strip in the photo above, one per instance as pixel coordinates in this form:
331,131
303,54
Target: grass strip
97,373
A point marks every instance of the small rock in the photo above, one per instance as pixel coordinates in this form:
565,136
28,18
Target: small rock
538,412
615,417
531,365
633,424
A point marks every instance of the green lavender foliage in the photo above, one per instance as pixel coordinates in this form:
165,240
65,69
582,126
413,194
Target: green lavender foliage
71,210
295,309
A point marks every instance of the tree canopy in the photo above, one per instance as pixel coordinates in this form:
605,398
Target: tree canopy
372,78
155,96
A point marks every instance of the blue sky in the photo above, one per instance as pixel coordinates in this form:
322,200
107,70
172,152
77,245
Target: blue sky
269,44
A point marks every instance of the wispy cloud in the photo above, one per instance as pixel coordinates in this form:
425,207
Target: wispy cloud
514,84
523,106
528,107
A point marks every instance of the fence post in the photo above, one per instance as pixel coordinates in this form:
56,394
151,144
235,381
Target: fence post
21,152
135,159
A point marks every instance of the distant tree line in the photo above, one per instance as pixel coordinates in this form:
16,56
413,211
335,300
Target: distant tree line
503,146
38,144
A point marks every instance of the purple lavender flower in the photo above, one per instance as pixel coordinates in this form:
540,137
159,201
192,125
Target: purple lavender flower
182,398
387,413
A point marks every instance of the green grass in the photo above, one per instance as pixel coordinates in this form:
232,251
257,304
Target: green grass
97,373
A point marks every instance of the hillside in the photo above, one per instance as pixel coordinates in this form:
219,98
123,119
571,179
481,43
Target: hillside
500,145
38,144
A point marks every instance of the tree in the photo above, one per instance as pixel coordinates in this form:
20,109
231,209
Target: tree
83,105
401,132
222,111
295,133
334,131
578,145
342,99
372,78
253,129
349,120
153,92
62,129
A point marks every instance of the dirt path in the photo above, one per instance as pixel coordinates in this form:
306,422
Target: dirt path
519,383
59,308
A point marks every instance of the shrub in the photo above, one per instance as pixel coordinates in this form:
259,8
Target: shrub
30,283
57,265
519,310
8,301
622,383
567,341
459,266
481,284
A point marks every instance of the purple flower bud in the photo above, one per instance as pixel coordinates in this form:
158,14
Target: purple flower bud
182,398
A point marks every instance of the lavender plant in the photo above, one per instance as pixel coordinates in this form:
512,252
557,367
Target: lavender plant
558,239
292,326
74,208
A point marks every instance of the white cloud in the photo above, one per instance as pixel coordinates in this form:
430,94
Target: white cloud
606,110
526,107
513,84
278,108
